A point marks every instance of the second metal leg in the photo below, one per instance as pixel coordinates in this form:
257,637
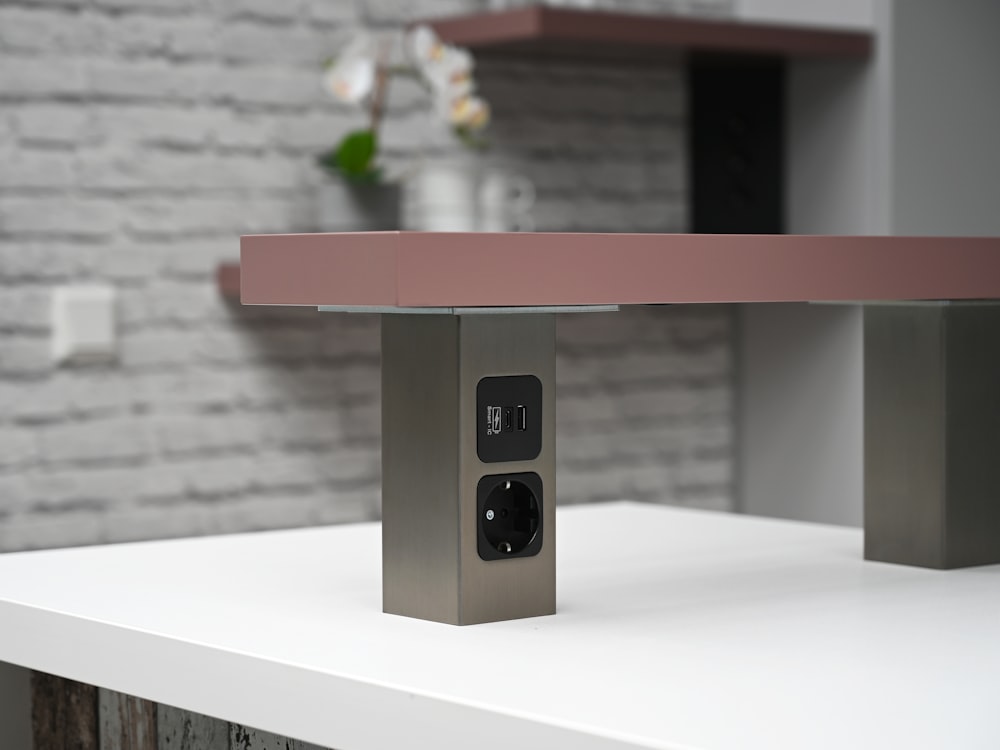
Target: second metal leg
932,434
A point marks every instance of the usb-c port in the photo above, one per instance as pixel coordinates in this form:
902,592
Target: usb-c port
522,418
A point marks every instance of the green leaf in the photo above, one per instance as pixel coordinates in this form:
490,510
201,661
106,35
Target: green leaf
470,138
355,155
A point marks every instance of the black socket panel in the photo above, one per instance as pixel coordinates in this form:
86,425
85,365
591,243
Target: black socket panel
509,418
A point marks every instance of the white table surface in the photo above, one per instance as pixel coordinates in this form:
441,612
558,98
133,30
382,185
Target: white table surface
676,629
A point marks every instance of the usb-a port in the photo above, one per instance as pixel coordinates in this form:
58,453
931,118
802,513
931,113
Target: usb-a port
522,418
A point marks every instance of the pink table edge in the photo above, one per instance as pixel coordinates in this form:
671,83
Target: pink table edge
430,269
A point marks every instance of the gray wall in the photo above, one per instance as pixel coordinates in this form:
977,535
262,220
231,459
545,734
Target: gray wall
800,375
903,145
801,399
139,138
946,117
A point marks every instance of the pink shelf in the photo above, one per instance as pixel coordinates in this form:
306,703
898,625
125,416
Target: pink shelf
227,279
599,35
415,269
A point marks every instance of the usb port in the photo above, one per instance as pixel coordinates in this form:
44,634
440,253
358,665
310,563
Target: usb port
522,418
508,419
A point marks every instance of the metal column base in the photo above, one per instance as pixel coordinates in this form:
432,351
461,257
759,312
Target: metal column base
431,566
932,434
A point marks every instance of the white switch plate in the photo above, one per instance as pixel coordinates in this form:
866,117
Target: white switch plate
83,324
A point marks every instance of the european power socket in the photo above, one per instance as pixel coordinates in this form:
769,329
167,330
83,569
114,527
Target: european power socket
510,515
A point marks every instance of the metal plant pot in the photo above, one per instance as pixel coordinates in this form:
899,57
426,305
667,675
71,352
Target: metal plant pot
342,206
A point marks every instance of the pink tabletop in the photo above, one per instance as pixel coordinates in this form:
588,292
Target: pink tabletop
428,269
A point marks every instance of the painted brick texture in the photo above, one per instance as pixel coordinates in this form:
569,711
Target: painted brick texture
139,138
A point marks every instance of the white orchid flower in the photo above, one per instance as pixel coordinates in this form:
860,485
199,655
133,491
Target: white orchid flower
352,75
450,80
447,70
451,75
423,46
469,112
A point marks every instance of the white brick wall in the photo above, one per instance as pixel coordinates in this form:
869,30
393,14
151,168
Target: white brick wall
139,138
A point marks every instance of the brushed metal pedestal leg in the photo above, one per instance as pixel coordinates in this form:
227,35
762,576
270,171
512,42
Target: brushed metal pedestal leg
932,434
431,365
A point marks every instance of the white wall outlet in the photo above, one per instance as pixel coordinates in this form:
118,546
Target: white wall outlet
83,324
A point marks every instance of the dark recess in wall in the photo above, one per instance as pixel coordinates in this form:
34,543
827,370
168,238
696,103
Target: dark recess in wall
736,144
